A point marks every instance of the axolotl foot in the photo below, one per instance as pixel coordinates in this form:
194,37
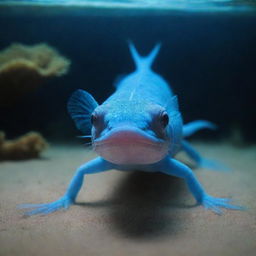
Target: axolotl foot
43,209
93,166
173,167
215,204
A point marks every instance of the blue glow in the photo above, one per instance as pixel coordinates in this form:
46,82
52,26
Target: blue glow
187,5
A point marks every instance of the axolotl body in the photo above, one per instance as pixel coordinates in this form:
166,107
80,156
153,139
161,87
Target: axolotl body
138,127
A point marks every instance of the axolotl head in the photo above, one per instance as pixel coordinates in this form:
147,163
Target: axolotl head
130,132
134,132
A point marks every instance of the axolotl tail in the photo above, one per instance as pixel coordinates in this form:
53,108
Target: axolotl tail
144,62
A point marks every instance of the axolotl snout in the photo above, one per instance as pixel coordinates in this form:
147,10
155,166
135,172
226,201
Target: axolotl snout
141,136
138,126
128,143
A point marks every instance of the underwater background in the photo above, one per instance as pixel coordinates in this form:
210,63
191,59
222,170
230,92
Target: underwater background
208,58
48,49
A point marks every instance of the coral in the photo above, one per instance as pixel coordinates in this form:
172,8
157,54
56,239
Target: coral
27,146
23,68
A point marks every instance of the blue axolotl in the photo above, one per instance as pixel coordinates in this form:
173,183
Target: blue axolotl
138,127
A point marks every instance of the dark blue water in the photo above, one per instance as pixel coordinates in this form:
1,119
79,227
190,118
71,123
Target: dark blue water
209,60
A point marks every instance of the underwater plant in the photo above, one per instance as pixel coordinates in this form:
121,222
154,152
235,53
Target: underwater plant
27,146
23,69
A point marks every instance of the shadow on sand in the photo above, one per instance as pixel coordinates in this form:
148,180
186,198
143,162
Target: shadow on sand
145,205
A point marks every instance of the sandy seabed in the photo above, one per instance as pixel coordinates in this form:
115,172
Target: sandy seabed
131,213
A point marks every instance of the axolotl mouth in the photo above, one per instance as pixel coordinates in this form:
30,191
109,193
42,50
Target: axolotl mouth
126,145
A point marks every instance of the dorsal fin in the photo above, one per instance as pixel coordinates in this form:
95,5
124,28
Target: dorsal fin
144,62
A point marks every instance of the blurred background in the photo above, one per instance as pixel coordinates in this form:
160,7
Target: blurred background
208,58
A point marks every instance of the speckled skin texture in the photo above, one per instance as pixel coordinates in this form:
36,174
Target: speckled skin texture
145,126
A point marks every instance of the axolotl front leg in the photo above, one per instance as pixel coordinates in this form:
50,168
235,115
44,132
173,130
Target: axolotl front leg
168,166
173,167
94,166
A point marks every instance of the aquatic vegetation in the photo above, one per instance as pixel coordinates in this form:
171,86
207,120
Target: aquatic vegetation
27,146
23,69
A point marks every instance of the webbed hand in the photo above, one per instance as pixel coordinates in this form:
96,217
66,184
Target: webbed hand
173,167
94,166
215,204
62,203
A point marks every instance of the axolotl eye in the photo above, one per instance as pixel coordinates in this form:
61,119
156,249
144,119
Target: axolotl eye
164,119
94,119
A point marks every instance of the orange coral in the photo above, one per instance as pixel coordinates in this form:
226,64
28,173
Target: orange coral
27,146
24,68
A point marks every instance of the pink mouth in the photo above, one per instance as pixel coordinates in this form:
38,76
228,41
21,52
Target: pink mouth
130,146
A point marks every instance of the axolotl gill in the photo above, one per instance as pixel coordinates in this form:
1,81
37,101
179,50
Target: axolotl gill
139,127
